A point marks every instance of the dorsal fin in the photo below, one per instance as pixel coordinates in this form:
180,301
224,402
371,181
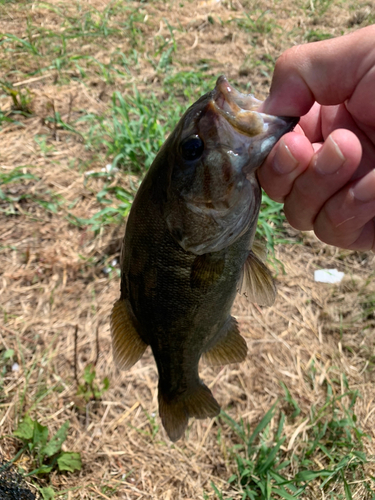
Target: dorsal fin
127,345
256,282
230,347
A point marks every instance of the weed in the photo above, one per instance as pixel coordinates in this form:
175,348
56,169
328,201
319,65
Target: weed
21,98
89,389
153,423
108,214
47,453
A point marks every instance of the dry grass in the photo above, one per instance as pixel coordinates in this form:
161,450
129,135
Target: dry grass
51,276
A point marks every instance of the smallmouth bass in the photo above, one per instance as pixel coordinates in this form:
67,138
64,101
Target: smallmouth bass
187,250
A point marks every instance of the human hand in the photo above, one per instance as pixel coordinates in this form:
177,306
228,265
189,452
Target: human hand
324,170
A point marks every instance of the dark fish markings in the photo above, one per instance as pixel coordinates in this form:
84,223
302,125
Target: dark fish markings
187,250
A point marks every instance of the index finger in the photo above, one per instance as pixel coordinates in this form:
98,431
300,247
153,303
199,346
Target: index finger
330,72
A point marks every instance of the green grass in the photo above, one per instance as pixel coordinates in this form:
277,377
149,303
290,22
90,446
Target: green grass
317,36
264,467
271,223
258,24
21,99
134,130
15,196
45,49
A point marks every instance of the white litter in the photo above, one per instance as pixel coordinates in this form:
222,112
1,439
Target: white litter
15,367
328,275
110,169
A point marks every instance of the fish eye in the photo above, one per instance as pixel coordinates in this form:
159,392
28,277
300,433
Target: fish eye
192,148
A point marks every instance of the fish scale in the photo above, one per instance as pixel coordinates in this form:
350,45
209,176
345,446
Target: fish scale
187,250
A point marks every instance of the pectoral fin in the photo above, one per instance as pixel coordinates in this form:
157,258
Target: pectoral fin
230,348
259,249
206,270
257,282
127,345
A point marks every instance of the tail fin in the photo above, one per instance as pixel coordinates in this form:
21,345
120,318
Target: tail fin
175,414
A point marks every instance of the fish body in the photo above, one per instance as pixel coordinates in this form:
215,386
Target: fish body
187,248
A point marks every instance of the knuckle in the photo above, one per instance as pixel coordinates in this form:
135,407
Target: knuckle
288,58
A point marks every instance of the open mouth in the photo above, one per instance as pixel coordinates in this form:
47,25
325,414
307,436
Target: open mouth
240,110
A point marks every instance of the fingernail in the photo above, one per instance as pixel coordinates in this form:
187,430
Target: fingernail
364,190
284,162
330,158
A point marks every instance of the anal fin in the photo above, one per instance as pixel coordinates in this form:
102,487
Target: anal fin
256,282
127,345
175,413
230,348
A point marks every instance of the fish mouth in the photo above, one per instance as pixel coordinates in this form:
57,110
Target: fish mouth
241,111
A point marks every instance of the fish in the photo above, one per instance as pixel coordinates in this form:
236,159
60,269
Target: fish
189,247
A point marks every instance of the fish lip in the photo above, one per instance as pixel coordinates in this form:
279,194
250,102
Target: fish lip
241,110
229,100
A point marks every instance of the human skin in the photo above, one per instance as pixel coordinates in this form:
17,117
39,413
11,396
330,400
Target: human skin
323,172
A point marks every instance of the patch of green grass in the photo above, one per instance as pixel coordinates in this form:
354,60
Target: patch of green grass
47,49
189,84
110,213
264,465
257,25
15,195
316,36
135,129
271,223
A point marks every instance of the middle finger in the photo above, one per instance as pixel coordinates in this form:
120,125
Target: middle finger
330,169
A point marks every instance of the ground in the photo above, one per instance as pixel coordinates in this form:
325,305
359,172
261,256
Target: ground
88,91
